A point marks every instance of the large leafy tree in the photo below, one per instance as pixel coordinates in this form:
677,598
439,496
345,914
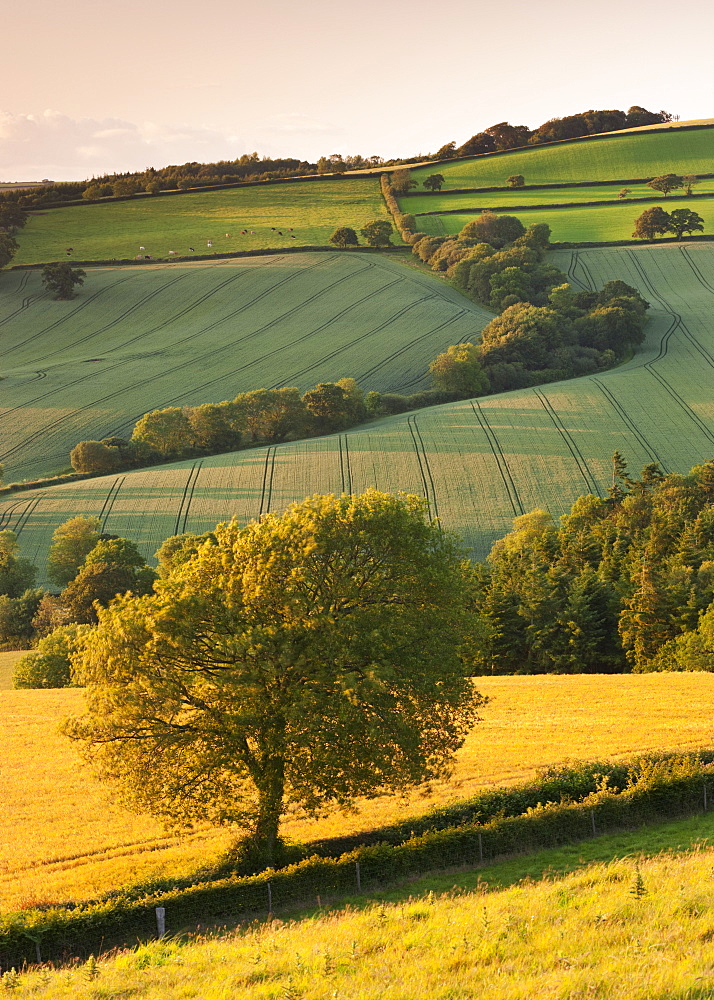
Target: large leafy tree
652,223
378,233
308,658
684,220
666,183
61,278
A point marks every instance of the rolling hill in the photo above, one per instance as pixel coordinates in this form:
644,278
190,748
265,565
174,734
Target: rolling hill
479,462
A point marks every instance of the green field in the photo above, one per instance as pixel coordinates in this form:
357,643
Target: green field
597,224
514,931
117,229
637,154
513,199
174,334
478,463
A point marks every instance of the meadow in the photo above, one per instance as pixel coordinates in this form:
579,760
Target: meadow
513,199
115,230
166,335
594,224
479,462
84,843
623,928
608,158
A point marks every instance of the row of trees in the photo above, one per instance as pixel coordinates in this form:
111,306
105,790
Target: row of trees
504,136
625,582
12,219
654,222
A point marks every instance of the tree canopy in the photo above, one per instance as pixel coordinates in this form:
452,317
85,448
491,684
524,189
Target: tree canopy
308,658
61,278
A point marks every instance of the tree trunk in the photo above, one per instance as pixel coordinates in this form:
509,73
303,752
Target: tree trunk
270,808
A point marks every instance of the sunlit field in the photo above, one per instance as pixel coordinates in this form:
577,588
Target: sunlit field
64,836
280,215
613,157
630,928
594,224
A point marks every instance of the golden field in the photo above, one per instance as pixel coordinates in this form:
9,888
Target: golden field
64,836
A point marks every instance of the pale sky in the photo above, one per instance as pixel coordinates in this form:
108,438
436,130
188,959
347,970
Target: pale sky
97,86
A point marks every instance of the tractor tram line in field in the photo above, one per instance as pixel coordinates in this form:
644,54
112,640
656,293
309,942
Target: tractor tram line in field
266,491
110,500
424,467
629,423
187,498
590,483
500,458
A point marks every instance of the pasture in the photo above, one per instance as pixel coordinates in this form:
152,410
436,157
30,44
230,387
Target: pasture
585,935
479,462
83,843
164,335
115,230
594,224
512,199
609,158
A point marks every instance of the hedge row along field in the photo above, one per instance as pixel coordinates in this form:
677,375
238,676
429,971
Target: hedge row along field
592,224
479,463
85,844
165,335
612,157
312,210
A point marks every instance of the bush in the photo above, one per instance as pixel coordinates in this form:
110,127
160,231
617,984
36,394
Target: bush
49,665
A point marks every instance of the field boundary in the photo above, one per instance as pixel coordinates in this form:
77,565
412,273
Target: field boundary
562,204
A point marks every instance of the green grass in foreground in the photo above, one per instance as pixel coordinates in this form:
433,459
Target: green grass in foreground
577,225
446,202
639,154
111,230
587,934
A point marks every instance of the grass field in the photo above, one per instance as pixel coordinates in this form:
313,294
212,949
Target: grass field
511,199
478,463
116,230
82,842
133,341
596,224
539,936
614,157
7,667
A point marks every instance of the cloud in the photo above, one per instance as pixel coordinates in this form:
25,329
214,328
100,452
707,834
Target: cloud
54,145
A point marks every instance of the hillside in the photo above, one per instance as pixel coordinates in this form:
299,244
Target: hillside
84,843
136,340
272,215
617,156
479,463
523,933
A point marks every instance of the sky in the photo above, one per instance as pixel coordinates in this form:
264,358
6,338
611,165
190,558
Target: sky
99,87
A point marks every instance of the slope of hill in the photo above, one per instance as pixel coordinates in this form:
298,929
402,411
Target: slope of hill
84,843
478,462
178,334
617,156
625,928
268,215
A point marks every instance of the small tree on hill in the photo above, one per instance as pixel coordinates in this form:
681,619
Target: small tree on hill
652,223
688,181
434,182
666,183
308,658
623,193
516,181
458,369
378,233
345,236
402,181
61,278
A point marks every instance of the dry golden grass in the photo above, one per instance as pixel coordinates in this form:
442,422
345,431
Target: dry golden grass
63,836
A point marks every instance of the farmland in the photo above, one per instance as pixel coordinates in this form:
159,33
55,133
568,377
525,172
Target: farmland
84,843
136,340
613,157
513,199
594,224
116,230
479,463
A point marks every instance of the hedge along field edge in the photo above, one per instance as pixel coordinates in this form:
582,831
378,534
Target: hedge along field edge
61,934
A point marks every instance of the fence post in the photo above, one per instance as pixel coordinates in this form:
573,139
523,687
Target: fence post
270,899
160,921
480,847
359,880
